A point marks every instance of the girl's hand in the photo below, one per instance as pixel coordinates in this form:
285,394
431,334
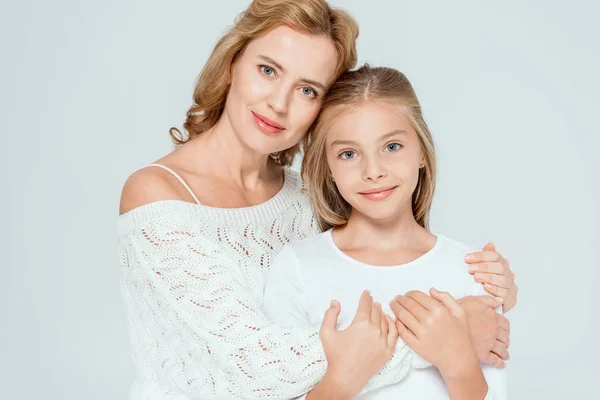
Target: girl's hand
493,270
435,327
355,354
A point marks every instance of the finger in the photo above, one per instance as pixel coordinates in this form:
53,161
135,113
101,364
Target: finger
488,267
384,322
490,301
413,307
330,318
483,256
490,246
392,335
448,301
503,323
504,337
376,314
492,279
365,304
406,334
493,360
424,300
496,290
404,316
500,350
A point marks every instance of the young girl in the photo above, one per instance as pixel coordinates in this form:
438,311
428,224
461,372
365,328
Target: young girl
370,172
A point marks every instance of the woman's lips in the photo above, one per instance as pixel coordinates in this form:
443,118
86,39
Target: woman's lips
266,125
378,193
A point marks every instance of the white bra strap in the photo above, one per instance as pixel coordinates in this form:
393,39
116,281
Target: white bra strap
176,175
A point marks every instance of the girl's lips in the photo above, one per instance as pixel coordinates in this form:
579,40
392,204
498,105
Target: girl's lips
379,193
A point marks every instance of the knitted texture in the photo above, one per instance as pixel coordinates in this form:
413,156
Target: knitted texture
193,279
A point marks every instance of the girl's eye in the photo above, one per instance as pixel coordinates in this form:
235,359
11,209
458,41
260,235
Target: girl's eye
347,155
393,147
309,92
266,70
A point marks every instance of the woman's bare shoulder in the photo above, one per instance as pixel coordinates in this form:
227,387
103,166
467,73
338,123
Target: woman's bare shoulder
148,185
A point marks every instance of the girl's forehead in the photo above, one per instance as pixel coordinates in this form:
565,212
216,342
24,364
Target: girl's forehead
369,117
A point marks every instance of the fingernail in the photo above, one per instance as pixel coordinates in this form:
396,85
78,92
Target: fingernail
469,257
332,304
472,268
478,276
500,299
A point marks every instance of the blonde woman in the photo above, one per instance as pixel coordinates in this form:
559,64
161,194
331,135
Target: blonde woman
198,228
370,171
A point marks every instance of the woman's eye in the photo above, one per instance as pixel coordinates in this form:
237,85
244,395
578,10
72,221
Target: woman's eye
347,155
309,92
268,71
393,147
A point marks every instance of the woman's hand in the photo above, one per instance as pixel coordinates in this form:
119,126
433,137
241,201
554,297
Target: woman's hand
493,270
355,354
436,328
490,331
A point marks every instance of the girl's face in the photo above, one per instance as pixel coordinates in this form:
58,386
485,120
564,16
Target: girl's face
374,155
277,87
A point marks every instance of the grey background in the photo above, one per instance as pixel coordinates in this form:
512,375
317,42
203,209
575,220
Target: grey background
89,89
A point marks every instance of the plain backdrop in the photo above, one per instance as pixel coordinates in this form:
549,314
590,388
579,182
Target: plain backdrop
88,90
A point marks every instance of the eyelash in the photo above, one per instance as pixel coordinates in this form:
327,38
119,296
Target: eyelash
397,144
341,155
262,68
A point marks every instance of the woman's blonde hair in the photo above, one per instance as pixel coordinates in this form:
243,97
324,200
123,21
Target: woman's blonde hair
377,84
313,17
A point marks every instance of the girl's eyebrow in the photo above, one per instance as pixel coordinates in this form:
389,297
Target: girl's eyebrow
392,133
381,138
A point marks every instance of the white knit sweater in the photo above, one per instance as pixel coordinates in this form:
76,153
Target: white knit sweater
193,279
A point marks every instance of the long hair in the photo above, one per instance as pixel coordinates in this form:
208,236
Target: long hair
351,89
314,17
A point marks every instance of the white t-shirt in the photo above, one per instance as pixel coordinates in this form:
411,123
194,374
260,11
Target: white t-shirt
306,275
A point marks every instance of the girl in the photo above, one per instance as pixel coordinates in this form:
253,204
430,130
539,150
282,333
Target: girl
198,230
370,172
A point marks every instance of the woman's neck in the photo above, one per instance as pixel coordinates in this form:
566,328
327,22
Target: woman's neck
226,156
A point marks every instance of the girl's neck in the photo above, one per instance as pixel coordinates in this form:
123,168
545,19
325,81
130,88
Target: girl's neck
398,232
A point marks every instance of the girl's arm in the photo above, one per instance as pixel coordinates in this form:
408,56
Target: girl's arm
436,328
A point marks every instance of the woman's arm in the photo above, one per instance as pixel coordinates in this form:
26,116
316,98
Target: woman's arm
210,334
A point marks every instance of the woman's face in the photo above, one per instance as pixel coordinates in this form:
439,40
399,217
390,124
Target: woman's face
374,155
277,87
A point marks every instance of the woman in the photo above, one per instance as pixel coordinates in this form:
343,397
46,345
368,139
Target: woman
370,172
198,231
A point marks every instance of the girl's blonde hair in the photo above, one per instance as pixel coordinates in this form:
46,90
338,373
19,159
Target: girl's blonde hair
313,17
377,84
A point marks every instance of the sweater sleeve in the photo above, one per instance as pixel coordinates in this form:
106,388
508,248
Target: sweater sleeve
199,323
285,303
203,325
